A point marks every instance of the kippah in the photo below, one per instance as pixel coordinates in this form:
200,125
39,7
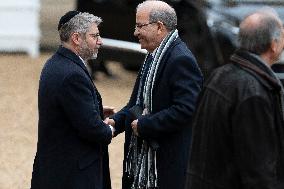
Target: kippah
66,17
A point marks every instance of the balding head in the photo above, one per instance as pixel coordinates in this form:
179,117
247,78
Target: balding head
252,22
159,11
258,30
153,4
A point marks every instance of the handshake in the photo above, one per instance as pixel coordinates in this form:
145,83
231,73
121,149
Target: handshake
109,111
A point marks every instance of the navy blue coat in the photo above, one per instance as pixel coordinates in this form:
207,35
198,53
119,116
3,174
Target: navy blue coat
178,83
72,138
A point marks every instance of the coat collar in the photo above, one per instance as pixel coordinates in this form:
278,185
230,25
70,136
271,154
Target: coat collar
252,65
166,56
67,53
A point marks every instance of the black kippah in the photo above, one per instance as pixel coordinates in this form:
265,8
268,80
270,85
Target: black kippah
66,17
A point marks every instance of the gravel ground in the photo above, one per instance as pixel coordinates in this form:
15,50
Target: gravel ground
19,75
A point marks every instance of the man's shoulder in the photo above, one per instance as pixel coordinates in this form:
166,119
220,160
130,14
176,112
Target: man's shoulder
231,78
60,67
181,51
231,73
61,62
180,47
231,70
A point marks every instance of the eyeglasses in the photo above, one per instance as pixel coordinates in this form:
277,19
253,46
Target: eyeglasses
140,26
95,35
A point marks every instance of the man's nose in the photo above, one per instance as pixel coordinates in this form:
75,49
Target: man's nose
99,40
136,32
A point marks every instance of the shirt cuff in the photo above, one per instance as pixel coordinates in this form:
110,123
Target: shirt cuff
112,129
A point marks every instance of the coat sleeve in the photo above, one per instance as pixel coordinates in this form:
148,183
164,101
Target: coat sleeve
256,143
77,100
185,80
121,116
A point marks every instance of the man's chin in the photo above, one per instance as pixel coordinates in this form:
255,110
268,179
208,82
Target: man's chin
93,56
146,47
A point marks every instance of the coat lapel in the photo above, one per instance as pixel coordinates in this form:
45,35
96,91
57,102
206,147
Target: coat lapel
74,58
165,58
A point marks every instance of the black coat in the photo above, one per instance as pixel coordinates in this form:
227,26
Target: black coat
238,133
72,138
177,86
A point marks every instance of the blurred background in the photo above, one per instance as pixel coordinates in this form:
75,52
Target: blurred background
28,37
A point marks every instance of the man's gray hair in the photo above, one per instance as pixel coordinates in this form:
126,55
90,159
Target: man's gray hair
80,23
166,15
257,39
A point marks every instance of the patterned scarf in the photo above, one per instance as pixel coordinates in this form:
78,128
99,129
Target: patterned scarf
141,158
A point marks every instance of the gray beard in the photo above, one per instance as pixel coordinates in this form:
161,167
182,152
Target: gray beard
86,53
94,56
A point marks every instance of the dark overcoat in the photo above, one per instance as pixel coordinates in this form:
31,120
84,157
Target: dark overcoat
238,133
72,138
177,85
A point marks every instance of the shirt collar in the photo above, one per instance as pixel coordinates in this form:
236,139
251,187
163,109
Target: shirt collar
82,60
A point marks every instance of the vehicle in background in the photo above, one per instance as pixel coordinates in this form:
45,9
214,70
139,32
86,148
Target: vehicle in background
118,27
208,27
224,17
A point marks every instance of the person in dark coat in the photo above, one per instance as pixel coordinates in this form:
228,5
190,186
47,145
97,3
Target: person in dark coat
157,118
72,137
238,130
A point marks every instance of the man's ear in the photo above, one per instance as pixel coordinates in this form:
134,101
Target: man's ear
76,38
161,26
274,46
273,51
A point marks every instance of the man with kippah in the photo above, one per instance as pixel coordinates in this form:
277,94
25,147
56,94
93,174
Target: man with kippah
72,137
